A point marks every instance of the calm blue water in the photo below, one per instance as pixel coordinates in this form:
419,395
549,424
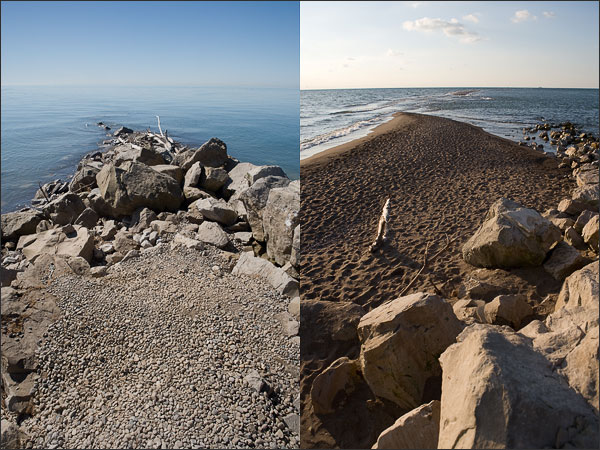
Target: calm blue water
46,130
332,117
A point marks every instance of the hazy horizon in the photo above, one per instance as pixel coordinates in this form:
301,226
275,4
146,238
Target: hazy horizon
366,45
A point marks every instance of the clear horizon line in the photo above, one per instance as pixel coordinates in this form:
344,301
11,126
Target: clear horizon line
447,87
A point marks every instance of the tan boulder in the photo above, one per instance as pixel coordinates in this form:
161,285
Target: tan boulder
170,170
507,310
20,223
511,236
580,288
590,233
417,429
400,345
499,392
212,153
564,260
334,384
280,217
70,240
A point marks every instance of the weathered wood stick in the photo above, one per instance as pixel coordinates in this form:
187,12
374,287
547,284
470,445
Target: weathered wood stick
159,128
382,227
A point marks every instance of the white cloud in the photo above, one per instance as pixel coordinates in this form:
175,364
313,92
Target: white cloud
549,14
393,53
471,18
522,16
416,4
452,28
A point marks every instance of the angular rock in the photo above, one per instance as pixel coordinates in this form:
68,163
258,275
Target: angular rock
12,436
170,170
400,344
64,209
74,241
193,175
216,210
192,194
163,226
589,195
142,218
288,323
85,177
583,219
211,233
255,198
142,155
507,310
88,218
583,178
20,223
562,223
511,236
590,233
211,154
134,185
580,288
124,242
187,242
334,384
571,207
237,180
473,288
498,392
564,260
416,429
295,255
249,265
280,217
573,238
258,172
123,131
213,179
79,265
256,382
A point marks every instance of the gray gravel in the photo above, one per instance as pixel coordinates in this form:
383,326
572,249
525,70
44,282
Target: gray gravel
154,355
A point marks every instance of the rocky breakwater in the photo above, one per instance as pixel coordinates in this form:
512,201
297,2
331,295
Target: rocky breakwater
487,367
147,195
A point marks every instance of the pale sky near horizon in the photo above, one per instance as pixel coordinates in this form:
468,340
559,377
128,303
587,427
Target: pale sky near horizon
448,44
150,43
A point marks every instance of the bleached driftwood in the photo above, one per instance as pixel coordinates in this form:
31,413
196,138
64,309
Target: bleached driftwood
382,227
159,128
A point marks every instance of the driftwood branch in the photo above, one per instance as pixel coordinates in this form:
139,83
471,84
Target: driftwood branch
159,128
43,192
382,227
426,262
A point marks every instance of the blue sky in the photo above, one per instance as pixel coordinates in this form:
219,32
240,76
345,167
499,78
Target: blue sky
151,43
454,44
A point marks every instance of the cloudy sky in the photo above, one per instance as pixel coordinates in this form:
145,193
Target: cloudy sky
448,44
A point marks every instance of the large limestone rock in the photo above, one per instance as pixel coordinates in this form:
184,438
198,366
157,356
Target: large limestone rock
20,223
193,175
583,219
134,185
249,265
588,194
255,198
211,233
211,154
507,310
336,382
64,209
142,155
66,241
580,288
215,210
511,236
295,255
590,233
564,260
237,180
85,177
280,217
400,344
213,179
172,171
258,172
498,392
416,429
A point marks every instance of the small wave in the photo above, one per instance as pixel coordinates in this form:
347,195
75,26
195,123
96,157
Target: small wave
487,98
463,92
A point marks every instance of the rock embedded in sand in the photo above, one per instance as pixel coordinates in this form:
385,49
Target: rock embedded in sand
564,260
510,236
133,185
400,343
334,384
498,392
417,429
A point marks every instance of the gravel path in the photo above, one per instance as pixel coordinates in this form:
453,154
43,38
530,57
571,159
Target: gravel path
154,355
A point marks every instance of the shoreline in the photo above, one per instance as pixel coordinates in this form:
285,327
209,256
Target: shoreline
441,176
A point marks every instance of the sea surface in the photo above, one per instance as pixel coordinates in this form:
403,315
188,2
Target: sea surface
46,130
332,117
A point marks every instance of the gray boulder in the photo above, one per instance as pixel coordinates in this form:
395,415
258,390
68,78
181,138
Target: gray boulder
213,179
510,236
216,210
590,233
211,233
249,265
237,181
134,185
280,217
211,154
172,171
88,218
20,223
255,199
258,172
71,240
64,209
142,155
564,260
85,177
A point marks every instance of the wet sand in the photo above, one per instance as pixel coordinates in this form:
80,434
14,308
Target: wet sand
441,176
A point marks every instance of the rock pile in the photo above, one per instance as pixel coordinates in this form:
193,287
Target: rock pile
144,192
